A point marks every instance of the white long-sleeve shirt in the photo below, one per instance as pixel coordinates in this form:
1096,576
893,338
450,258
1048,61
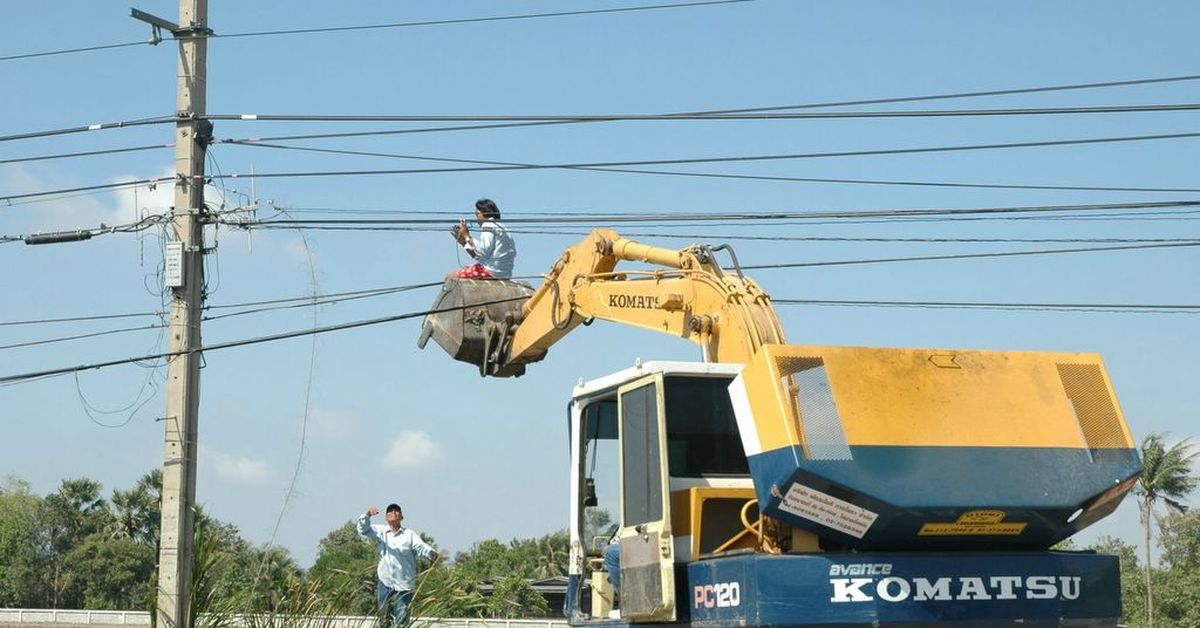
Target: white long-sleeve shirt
493,248
398,553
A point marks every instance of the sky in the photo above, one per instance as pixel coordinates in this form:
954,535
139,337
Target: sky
299,436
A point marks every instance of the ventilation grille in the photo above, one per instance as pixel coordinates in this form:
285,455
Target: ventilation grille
807,383
1094,408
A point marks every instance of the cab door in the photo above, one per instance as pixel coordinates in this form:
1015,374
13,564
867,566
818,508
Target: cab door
645,540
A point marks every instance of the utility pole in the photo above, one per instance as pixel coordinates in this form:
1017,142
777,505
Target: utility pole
185,277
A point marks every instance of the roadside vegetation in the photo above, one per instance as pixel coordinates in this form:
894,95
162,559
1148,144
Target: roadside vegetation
76,549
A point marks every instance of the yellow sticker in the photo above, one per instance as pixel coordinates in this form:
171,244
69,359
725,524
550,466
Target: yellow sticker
974,523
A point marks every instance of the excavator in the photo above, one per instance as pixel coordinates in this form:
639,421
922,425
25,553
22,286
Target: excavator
772,484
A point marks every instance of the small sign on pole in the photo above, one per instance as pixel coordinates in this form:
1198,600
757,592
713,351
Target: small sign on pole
173,264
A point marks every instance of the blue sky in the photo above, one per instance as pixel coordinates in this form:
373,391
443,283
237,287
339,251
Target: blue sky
470,458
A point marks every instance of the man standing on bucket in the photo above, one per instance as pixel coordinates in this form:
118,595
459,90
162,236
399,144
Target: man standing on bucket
398,549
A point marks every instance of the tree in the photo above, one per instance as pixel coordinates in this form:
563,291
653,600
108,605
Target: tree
1178,585
345,568
72,513
110,574
136,513
1166,477
1133,588
24,551
485,560
515,597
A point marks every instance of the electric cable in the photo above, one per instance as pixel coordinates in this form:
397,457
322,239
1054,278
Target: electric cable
841,103
472,20
36,375
1069,307
737,216
375,27
90,153
107,332
715,175
693,117
923,258
50,53
708,160
720,237
89,127
43,374
86,188
1142,216
310,301
328,298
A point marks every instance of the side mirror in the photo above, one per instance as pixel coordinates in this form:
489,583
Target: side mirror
589,492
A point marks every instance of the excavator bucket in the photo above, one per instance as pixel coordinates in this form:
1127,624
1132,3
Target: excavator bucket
472,320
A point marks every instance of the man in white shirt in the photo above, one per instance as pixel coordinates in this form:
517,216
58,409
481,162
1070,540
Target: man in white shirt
398,549
493,248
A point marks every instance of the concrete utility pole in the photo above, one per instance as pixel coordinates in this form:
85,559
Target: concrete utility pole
176,556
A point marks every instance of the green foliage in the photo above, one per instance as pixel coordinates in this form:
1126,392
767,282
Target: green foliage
447,592
24,547
1177,587
136,513
109,574
1133,586
345,563
525,558
514,597
1166,478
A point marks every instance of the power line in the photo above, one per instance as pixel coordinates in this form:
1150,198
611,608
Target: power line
12,379
75,319
605,164
375,27
722,237
733,216
89,127
923,258
1142,216
268,305
714,175
85,234
65,51
730,159
95,334
839,103
1069,307
90,153
86,188
37,375
692,117
494,18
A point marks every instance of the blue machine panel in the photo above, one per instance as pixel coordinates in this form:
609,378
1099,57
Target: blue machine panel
900,589
1037,489
894,590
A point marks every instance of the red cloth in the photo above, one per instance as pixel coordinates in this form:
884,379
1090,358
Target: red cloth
474,271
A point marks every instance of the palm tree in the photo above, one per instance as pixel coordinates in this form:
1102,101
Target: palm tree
1166,476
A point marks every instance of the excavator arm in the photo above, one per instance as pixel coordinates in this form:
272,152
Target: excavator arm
685,293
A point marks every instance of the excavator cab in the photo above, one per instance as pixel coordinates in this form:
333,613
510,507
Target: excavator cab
658,446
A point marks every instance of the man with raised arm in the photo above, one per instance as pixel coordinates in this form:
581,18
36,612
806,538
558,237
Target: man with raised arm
398,549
